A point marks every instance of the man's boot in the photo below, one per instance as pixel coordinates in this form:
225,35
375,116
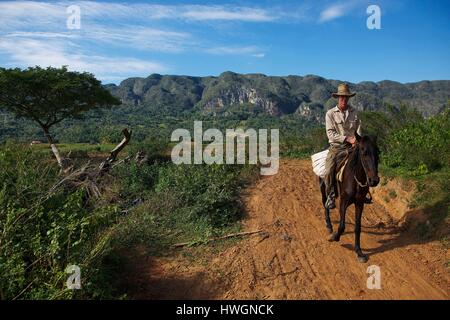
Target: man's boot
331,201
330,183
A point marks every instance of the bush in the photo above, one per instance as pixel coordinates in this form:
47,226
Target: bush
206,191
155,148
41,233
420,147
136,180
314,140
169,203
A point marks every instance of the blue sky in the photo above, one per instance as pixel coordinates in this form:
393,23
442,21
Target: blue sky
121,39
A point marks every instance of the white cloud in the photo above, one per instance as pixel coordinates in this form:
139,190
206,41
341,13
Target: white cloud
16,14
41,35
188,12
259,55
27,13
332,12
31,52
35,33
143,38
224,13
135,37
100,21
340,9
250,50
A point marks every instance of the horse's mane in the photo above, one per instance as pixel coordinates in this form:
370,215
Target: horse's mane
354,155
353,159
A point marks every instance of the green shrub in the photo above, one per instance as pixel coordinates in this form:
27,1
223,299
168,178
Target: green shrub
41,233
420,147
136,179
156,148
170,203
206,191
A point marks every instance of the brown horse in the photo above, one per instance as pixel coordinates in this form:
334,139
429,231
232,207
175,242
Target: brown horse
360,173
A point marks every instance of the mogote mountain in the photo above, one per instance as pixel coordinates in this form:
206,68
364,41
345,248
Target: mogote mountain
309,96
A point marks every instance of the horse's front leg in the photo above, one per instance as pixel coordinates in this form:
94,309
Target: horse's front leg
359,206
342,209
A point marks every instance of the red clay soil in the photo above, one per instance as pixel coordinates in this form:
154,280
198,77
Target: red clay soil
292,258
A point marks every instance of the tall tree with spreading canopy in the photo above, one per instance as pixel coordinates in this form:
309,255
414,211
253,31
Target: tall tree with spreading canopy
50,95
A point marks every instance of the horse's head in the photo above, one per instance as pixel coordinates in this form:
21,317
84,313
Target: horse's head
369,155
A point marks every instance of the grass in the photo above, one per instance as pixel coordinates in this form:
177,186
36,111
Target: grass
186,203
432,196
157,233
178,205
432,188
76,148
161,219
167,216
153,205
446,242
392,194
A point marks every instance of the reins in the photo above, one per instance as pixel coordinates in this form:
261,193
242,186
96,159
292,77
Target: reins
361,185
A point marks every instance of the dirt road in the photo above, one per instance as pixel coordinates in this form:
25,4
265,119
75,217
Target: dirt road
292,258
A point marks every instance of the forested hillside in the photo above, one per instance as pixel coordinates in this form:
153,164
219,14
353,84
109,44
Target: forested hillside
156,105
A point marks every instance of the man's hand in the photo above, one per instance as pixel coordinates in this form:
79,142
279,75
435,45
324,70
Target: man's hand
350,140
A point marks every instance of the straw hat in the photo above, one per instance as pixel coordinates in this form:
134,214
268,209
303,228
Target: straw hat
343,90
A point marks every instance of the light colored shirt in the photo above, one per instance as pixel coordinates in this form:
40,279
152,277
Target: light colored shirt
340,125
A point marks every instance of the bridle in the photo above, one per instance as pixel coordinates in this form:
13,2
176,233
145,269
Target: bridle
360,184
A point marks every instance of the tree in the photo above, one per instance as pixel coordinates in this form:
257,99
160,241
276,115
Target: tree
48,96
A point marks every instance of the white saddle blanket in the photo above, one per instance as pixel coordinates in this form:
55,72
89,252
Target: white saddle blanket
318,163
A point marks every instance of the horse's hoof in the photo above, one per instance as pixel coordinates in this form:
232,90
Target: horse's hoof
330,230
363,259
333,238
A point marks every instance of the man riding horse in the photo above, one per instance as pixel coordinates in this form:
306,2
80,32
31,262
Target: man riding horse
342,124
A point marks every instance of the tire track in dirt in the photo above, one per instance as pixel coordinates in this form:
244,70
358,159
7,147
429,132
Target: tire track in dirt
292,259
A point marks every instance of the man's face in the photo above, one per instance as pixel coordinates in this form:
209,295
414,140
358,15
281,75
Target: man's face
343,100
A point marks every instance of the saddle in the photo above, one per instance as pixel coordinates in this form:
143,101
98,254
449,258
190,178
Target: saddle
340,169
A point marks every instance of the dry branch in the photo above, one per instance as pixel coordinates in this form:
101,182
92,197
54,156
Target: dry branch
88,175
105,165
121,161
178,245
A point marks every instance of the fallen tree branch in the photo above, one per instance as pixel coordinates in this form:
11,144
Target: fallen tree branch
178,245
106,165
89,176
73,176
121,161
